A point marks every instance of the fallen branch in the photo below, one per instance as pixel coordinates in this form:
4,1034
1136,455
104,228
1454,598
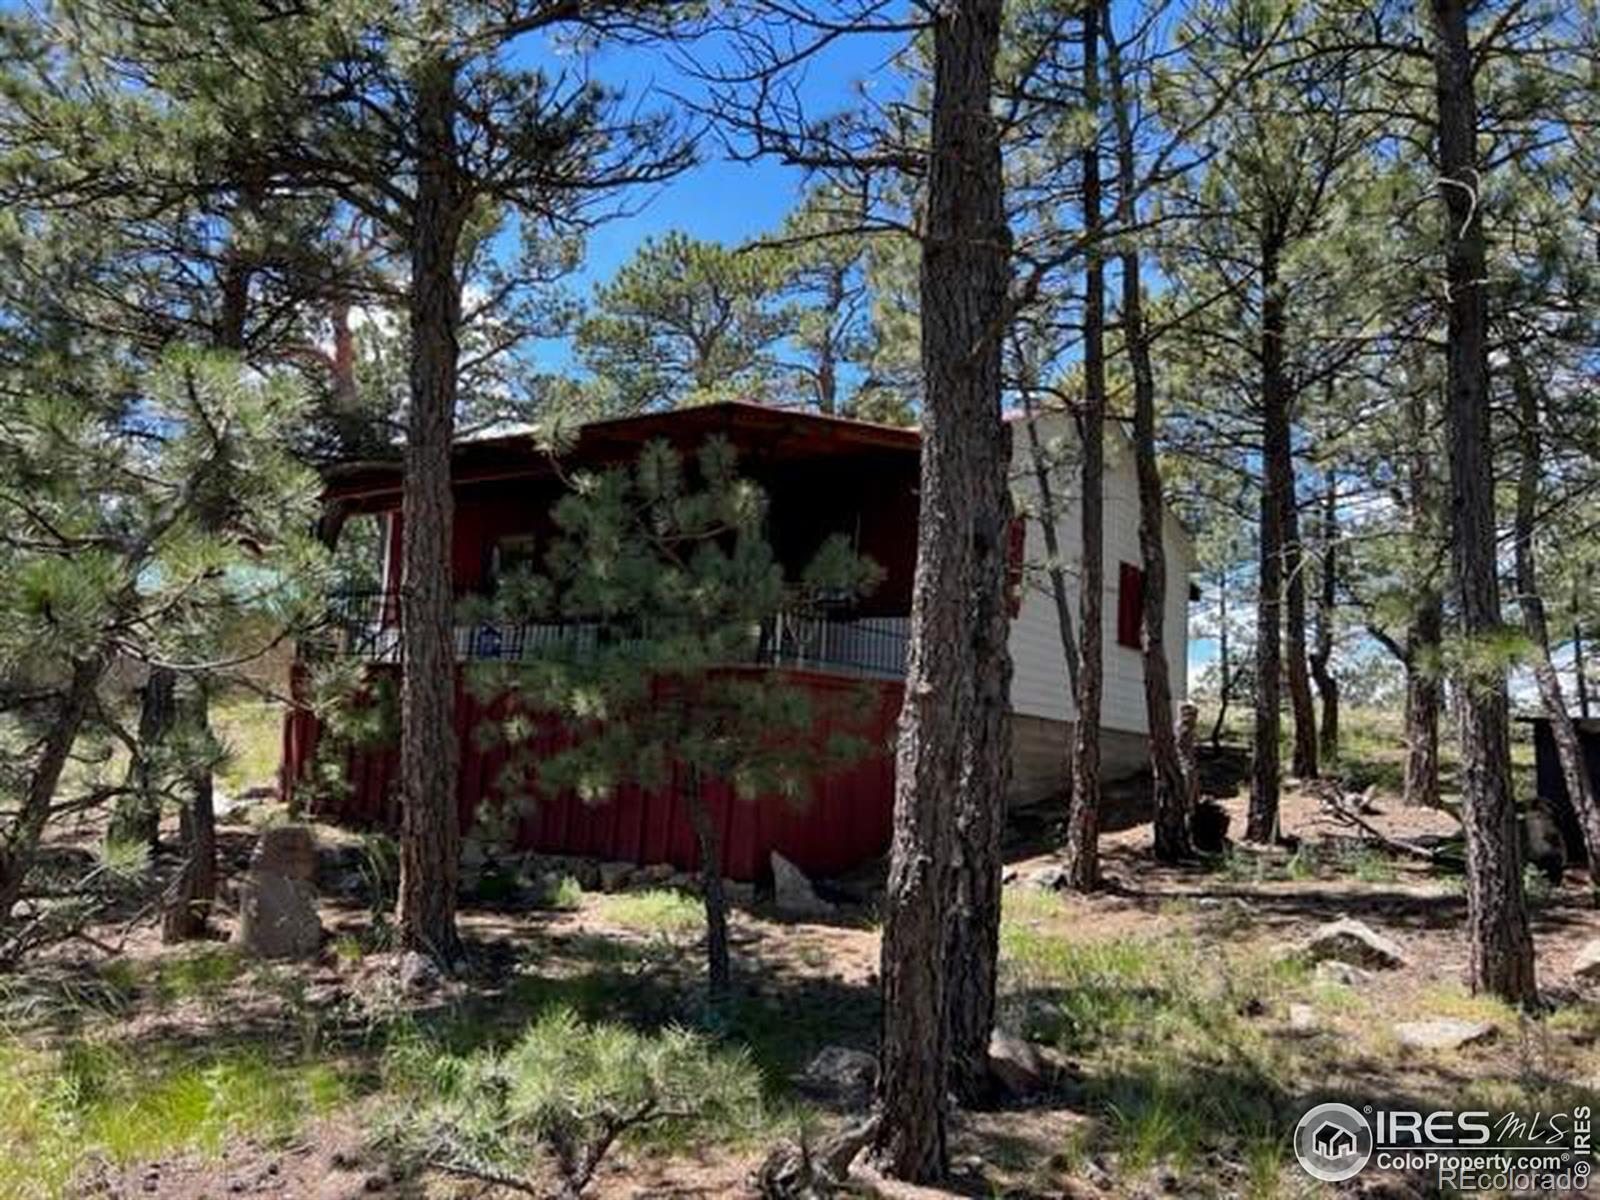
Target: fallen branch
1341,812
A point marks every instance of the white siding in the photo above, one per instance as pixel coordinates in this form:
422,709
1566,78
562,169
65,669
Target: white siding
1039,674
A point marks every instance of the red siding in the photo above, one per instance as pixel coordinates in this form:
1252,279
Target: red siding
847,821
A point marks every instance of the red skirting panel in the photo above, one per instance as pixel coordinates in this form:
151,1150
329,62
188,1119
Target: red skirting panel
845,822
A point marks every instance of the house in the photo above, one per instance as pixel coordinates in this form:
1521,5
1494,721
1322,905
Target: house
823,475
1333,1141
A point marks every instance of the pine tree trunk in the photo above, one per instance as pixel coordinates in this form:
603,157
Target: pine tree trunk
1082,864
964,277
1327,603
187,907
430,823
1303,757
1569,751
1425,628
1580,667
136,818
1171,827
1497,918
1423,701
20,843
719,974
1050,526
1262,824
973,948
1224,656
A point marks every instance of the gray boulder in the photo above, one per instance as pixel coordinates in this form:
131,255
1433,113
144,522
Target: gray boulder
1445,1033
1342,973
1350,941
1016,1065
840,1076
614,876
286,850
277,917
793,894
417,973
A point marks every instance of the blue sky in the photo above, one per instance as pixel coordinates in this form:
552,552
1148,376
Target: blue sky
720,199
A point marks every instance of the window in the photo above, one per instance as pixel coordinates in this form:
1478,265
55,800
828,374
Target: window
1130,606
1016,564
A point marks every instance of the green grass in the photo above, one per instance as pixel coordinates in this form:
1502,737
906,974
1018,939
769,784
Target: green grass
251,730
658,911
86,1100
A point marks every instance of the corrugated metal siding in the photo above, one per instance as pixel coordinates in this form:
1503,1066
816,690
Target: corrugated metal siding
845,822
1039,674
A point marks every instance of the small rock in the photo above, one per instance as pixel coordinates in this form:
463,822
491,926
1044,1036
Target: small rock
417,973
1016,1066
792,891
657,874
1053,878
1302,1018
1351,941
1586,966
1445,1033
839,1075
1333,971
614,876
739,892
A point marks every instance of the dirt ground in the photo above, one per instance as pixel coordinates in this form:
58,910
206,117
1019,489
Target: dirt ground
1168,989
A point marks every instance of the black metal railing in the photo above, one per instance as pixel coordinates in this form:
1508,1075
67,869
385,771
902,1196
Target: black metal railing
366,626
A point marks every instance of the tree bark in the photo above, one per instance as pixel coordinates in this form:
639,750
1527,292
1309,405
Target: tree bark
1171,826
1497,918
1303,756
963,285
1224,656
1050,525
1425,627
1277,483
1423,700
1083,814
1574,772
430,824
21,842
1327,604
719,974
136,817
186,909
973,947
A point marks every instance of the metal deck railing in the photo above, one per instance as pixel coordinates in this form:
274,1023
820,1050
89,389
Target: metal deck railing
366,626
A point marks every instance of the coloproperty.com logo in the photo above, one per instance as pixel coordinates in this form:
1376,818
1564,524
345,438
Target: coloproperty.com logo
1467,1151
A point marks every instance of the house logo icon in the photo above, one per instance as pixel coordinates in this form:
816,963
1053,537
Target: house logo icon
1333,1142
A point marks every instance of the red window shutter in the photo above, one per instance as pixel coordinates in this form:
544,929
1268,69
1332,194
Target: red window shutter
1016,552
1130,606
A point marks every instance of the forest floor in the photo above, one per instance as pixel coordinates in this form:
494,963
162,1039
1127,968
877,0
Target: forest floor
1185,1033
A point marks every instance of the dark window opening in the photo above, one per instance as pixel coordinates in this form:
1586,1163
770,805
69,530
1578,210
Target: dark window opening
1130,606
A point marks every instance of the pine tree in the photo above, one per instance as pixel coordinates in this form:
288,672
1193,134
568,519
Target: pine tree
660,577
